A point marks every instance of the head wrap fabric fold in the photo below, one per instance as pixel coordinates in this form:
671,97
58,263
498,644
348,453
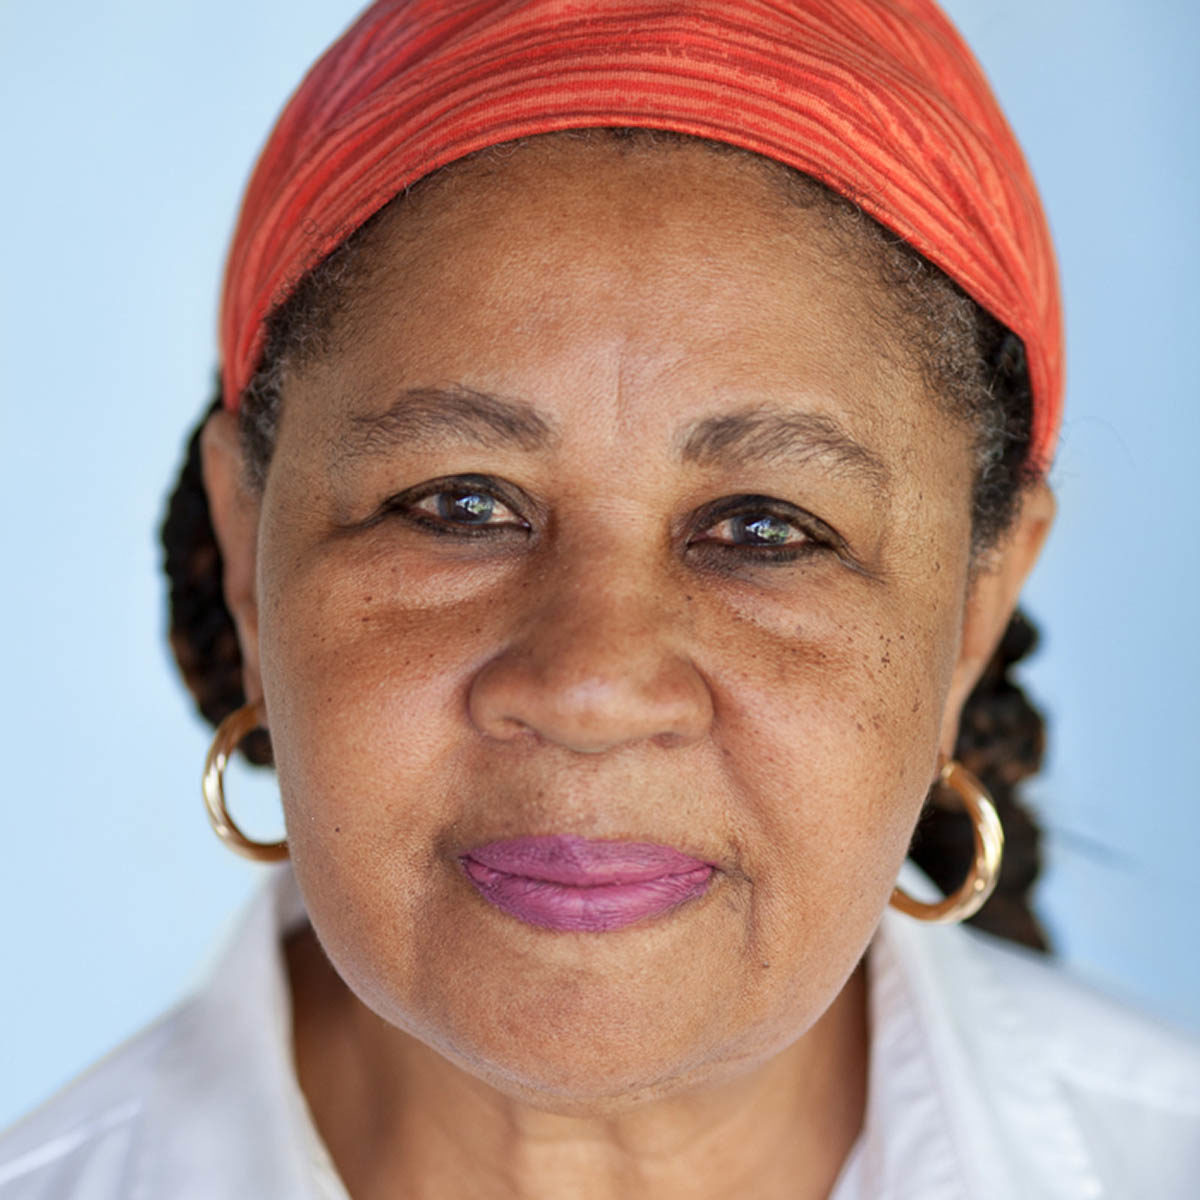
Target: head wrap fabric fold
879,99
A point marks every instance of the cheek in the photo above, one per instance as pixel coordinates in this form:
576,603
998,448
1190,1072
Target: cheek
365,702
828,728
363,692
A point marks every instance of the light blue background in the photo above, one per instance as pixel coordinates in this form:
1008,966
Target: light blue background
128,130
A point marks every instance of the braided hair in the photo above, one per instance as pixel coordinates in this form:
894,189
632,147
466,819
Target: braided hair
973,363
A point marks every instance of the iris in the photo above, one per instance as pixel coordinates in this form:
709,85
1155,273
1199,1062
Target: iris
772,531
471,508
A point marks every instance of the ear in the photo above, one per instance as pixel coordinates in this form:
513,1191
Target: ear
234,511
991,599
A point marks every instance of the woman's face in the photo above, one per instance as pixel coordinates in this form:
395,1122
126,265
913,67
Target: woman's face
615,515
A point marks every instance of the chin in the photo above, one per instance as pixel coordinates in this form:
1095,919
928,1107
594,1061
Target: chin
591,1075
580,1047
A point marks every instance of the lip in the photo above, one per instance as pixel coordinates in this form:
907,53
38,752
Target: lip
571,883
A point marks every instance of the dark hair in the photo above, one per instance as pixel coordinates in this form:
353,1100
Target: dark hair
968,359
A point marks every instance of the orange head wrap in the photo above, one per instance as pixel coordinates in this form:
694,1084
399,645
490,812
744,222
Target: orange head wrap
879,99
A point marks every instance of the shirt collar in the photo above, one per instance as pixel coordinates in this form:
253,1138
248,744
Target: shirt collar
960,1100
258,1140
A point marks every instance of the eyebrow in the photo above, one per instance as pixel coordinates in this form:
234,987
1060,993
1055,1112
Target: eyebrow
771,435
728,441
421,413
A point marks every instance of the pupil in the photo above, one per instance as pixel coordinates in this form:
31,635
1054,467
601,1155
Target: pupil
765,529
473,508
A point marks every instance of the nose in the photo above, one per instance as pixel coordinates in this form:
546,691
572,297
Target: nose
595,665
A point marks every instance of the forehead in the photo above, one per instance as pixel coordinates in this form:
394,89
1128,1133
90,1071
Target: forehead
625,293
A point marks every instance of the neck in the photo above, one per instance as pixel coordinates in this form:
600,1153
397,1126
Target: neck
400,1119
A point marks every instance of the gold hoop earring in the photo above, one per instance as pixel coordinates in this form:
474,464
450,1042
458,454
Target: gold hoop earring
228,737
989,848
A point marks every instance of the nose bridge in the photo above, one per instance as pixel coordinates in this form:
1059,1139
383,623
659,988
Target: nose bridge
599,660
604,605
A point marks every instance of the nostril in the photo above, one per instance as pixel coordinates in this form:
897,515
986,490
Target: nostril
667,741
510,728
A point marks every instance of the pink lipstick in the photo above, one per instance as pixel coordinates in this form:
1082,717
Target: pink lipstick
574,883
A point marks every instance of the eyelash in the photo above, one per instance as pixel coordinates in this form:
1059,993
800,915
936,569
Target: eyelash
404,506
817,536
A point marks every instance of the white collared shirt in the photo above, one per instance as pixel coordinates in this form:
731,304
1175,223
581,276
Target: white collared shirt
993,1076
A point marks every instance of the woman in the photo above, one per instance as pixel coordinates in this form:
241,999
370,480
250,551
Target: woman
612,527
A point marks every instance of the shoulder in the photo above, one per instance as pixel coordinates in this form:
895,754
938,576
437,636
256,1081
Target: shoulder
82,1141
1128,1083
1091,1041
1033,1082
202,1105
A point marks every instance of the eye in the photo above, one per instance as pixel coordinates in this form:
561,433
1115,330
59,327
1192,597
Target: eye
758,529
463,507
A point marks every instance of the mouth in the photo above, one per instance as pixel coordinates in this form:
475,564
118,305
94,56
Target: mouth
576,884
